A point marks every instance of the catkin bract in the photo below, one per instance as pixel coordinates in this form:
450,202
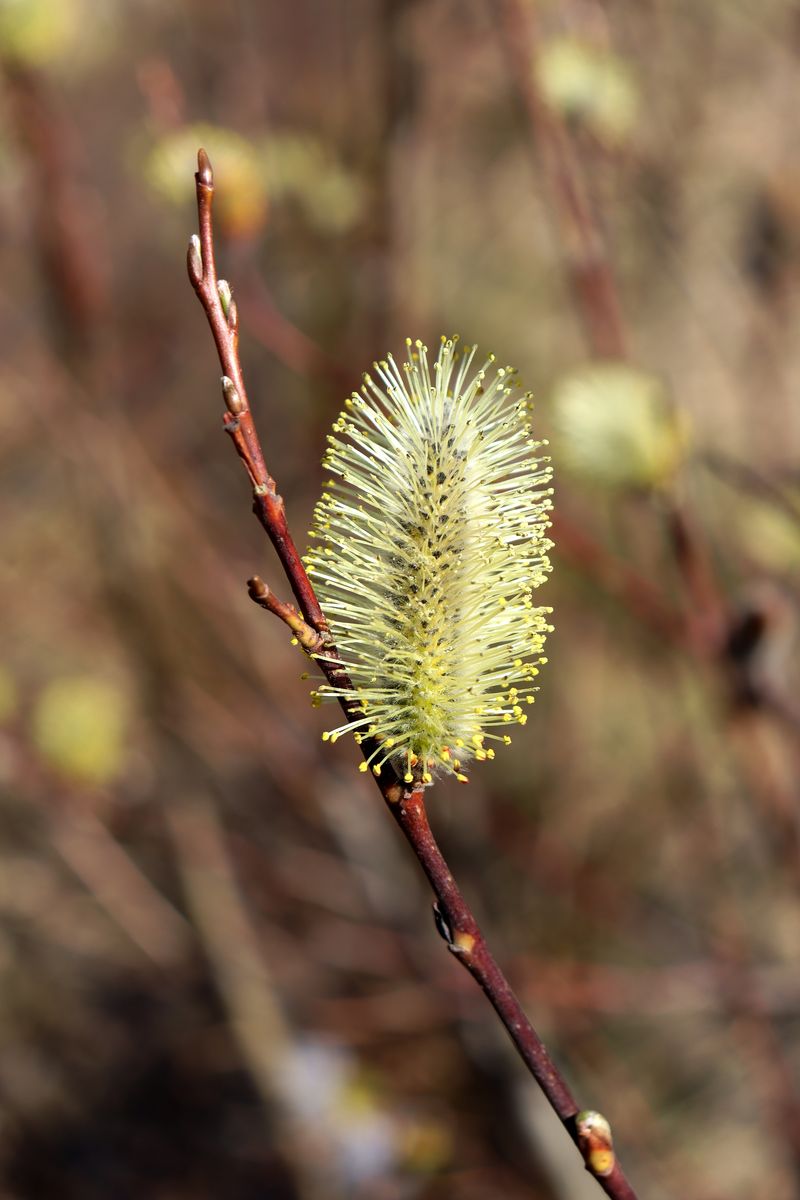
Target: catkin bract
427,545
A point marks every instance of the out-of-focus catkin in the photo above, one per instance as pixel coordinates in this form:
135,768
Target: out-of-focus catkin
427,545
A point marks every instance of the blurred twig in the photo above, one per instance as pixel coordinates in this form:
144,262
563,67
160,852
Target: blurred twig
87,846
290,345
744,475
582,240
596,293
239,966
709,620
453,917
61,215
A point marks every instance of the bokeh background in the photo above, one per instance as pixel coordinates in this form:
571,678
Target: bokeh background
219,976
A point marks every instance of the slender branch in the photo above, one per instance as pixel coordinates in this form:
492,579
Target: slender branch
457,925
267,504
455,921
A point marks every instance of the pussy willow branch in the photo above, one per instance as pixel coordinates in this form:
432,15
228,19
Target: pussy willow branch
454,919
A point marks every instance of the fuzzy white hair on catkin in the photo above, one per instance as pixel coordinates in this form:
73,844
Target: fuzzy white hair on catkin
427,546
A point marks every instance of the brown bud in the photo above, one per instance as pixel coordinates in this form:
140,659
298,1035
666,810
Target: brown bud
205,175
257,589
233,401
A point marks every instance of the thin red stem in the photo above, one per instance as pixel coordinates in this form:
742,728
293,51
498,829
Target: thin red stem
463,935
267,504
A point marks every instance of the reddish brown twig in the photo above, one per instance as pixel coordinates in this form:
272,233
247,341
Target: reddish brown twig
267,504
454,919
457,925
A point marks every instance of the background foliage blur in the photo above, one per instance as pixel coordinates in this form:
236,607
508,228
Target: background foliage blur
218,972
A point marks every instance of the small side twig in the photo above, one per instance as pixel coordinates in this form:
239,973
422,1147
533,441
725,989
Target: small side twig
308,638
455,919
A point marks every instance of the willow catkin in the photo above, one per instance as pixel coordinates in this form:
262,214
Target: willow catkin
427,545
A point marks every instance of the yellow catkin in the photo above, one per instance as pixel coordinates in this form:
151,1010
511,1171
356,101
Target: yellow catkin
427,545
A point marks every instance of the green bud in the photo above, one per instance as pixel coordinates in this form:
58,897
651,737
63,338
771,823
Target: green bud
225,297
80,726
616,426
591,84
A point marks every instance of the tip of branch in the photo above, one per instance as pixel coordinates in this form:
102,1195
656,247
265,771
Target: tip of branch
205,174
257,589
